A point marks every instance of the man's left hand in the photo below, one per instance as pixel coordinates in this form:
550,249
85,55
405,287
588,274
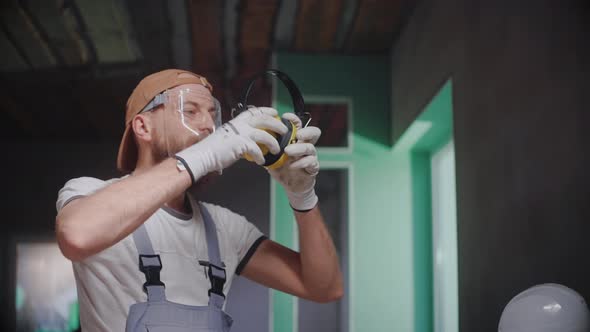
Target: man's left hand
297,175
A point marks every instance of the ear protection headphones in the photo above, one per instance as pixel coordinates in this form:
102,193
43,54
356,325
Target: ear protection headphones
274,161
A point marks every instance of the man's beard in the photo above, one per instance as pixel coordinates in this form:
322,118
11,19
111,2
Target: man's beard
168,149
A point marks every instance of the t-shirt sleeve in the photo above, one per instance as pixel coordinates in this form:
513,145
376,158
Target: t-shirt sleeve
244,236
76,188
248,241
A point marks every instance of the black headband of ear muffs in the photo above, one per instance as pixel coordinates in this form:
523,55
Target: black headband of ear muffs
276,160
296,97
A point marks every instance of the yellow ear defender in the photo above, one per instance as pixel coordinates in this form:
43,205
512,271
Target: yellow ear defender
274,161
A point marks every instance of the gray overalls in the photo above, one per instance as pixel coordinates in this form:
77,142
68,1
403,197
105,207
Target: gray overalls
158,314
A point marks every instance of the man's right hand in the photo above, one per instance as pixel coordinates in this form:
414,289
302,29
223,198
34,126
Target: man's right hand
232,141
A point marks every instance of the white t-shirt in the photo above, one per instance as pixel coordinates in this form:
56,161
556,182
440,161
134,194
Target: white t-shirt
110,281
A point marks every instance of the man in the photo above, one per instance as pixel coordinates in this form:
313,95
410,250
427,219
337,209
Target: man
119,232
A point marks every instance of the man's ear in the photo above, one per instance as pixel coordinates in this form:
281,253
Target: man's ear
142,127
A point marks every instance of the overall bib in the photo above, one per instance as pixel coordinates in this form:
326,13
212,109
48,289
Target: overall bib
159,314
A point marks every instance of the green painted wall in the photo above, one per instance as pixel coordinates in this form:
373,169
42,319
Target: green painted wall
439,113
390,231
381,288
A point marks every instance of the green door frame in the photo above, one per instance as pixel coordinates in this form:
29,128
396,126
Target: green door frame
431,130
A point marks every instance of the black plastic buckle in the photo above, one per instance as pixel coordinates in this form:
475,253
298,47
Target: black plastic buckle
216,281
152,273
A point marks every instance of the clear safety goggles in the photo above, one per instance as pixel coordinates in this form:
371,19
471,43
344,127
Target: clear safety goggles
189,115
193,109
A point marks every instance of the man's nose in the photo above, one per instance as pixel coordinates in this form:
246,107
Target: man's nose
208,125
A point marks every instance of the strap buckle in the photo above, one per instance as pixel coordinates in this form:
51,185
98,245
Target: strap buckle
217,277
151,265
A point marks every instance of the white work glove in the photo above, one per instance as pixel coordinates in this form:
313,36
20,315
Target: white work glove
232,141
297,175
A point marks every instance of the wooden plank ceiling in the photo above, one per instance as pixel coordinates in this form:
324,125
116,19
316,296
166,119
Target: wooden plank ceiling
67,66
317,24
256,27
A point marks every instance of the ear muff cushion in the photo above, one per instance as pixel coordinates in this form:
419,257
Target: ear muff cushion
271,160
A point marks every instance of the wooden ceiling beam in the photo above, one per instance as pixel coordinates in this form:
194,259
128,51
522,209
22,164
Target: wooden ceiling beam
257,23
317,24
375,26
207,42
151,30
29,12
108,24
206,28
23,33
180,35
284,34
79,29
256,35
60,30
14,58
346,21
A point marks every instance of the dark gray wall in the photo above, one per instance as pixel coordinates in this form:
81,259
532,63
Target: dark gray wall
35,171
521,123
